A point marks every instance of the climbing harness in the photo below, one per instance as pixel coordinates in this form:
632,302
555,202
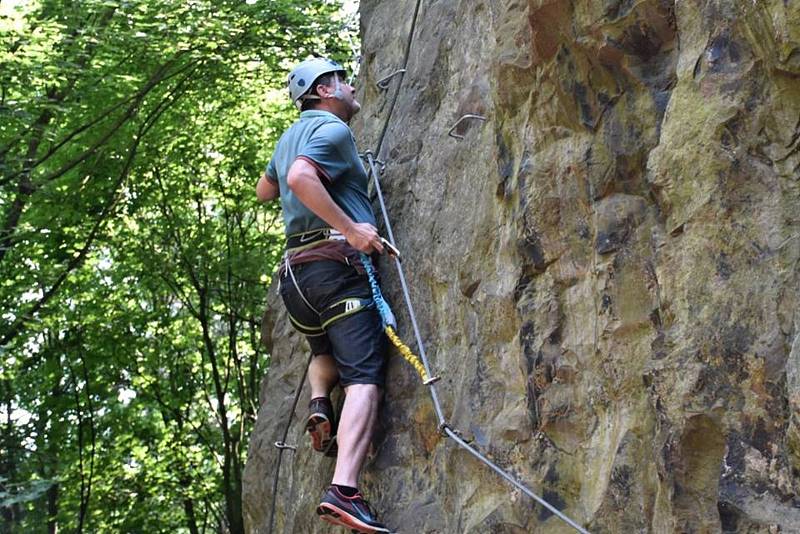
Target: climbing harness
420,363
305,240
338,310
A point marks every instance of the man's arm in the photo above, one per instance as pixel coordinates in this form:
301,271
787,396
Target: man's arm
266,189
304,181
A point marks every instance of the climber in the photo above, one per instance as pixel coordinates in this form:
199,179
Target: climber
322,184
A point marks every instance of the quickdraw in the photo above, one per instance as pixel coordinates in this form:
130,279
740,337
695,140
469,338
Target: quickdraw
390,323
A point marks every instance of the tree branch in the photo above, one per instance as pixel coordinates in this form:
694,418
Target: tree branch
85,508
137,98
78,259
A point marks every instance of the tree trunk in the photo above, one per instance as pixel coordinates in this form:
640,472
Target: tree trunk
52,509
191,520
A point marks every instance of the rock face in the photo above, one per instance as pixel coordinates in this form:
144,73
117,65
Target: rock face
605,271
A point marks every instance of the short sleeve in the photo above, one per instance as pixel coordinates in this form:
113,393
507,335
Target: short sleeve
272,174
326,149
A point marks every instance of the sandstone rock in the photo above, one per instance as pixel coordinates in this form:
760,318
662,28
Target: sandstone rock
605,271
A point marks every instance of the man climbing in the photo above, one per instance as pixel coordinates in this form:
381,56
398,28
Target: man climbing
322,184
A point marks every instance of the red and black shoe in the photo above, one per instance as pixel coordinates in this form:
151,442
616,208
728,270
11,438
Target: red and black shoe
321,426
353,512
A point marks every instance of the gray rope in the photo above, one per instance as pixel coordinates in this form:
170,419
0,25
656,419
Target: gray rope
406,55
512,480
297,287
283,441
404,285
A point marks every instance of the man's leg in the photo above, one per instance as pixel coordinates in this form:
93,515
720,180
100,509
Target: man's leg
322,375
342,504
356,426
359,346
321,425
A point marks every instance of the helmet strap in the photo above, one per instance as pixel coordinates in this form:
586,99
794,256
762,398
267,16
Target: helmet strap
338,94
299,103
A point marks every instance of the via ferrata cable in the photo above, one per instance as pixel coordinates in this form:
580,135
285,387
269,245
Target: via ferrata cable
443,426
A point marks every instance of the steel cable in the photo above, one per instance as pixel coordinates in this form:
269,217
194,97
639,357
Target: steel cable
404,68
283,446
435,398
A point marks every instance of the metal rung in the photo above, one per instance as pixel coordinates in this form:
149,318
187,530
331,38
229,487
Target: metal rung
432,380
281,445
452,133
383,83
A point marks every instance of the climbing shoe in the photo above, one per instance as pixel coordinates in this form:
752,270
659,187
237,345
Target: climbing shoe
351,512
321,426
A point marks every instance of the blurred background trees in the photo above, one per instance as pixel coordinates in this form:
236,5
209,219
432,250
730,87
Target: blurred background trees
133,256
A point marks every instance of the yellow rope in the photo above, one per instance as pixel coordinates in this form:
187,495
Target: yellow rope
409,356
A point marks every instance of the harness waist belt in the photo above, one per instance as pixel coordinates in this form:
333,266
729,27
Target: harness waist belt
306,239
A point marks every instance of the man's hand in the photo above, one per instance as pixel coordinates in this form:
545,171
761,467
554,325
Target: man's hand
364,237
266,189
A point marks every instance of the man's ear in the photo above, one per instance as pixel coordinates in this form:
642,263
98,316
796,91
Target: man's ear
324,91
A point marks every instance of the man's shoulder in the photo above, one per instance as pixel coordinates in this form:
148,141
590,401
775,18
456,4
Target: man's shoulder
328,126
337,132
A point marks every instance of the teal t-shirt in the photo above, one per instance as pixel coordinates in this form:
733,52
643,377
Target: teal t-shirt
325,141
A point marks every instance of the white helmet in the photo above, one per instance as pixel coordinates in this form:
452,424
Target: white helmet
302,78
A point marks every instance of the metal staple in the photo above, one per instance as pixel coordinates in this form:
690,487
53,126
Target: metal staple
383,83
452,133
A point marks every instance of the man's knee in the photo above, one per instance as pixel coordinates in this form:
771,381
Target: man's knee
365,390
323,359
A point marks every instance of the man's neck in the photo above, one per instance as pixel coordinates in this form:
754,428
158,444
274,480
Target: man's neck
325,105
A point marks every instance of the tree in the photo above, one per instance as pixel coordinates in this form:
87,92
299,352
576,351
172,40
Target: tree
133,259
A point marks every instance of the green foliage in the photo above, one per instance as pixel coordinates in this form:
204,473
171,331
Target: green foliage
133,256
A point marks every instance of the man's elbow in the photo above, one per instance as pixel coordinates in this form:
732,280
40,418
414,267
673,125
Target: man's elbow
295,181
261,194
301,176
